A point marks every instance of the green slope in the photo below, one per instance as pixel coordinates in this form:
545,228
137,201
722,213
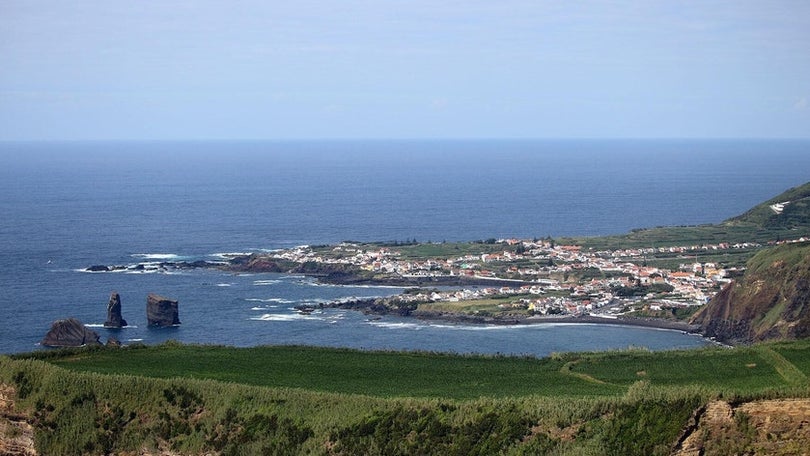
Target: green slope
760,224
196,400
794,213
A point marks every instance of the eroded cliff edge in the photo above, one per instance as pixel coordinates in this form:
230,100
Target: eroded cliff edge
771,301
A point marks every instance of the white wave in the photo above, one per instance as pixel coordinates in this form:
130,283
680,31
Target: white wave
276,300
265,282
134,340
142,271
389,325
94,325
478,327
294,277
315,283
224,284
263,307
229,255
156,256
281,317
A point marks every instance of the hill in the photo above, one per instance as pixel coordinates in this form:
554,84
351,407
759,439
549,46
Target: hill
790,209
786,216
771,301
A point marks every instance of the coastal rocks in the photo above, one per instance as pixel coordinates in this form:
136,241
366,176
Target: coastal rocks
161,311
114,319
70,333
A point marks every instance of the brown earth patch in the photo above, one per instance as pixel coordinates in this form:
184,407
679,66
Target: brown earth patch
16,433
769,427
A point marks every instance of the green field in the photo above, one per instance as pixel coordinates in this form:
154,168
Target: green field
418,374
305,400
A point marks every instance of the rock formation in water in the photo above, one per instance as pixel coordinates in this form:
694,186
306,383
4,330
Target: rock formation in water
70,333
161,311
114,319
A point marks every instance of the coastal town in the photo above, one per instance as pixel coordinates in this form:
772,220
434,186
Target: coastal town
539,278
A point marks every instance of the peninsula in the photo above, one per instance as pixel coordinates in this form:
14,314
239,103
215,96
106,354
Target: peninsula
656,277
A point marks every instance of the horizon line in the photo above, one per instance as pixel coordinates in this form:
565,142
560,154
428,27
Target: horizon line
410,139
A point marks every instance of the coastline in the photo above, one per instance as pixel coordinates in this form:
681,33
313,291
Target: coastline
377,307
336,275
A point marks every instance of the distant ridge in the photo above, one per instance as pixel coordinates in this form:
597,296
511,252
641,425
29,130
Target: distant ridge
790,209
783,217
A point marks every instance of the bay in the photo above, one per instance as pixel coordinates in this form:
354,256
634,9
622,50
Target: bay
66,206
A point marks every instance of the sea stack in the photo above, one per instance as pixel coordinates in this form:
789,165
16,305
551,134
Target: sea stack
70,333
161,311
114,319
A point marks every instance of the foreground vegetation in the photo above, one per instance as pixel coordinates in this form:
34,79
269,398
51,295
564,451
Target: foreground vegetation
297,400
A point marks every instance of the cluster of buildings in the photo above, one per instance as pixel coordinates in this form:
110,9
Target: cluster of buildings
548,278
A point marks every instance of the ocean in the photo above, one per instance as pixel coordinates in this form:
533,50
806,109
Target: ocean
65,206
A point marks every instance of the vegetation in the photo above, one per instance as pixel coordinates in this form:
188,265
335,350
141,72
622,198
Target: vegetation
769,302
761,224
190,399
296,400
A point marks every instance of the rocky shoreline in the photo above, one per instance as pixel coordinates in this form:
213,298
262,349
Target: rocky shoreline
384,306
338,274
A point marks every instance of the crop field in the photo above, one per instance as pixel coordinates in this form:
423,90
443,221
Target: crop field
304,400
384,374
419,374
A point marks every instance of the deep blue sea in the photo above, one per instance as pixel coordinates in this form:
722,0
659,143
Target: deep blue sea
66,206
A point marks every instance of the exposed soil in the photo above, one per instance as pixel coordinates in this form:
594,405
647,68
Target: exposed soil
770,427
16,433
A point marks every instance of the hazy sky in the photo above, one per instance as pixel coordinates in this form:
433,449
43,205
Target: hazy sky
316,69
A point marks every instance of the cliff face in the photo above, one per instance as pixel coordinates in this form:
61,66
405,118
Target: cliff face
772,301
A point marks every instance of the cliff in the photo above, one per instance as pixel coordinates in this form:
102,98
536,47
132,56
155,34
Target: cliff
771,301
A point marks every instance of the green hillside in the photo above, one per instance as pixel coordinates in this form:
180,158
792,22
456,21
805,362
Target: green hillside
789,210
195,400
760,224
772,300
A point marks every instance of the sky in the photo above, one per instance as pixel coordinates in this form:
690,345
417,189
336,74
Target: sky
416,69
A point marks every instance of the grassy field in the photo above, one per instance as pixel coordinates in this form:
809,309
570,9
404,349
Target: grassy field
418,374
297,400
688,236
473,306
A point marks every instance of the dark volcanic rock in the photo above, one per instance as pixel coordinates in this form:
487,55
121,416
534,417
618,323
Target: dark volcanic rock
113,342
114,319
98,268
70,333
161,311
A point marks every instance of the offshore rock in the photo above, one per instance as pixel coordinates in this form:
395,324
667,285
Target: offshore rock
114,319
113,342
70,333
161,311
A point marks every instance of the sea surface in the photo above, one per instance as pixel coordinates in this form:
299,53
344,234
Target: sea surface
68,205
